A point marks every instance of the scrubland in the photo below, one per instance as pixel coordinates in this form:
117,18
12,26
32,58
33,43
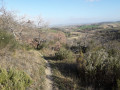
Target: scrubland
83,57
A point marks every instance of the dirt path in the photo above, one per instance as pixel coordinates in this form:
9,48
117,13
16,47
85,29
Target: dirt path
48,81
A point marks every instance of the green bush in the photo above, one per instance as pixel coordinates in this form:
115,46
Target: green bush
64,54
81,62
13,79
7,39
99,69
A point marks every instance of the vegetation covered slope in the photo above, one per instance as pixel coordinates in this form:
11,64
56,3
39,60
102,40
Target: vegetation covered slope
20,66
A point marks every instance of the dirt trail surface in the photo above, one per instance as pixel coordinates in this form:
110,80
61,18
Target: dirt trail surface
48,81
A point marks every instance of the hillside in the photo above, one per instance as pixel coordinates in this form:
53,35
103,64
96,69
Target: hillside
77,57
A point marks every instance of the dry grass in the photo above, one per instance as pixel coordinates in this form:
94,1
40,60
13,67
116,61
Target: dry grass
28,61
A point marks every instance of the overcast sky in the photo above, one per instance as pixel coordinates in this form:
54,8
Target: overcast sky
65,12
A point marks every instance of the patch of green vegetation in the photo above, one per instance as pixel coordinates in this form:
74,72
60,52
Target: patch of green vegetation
100,68
64,54
6,39
54,31
13,79
89,27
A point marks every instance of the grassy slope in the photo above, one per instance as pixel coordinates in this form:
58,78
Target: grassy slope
27,61
16,56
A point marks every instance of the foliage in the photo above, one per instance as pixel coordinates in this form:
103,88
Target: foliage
13,79
112,52
64,54
6,39
100,70
88,27
80,60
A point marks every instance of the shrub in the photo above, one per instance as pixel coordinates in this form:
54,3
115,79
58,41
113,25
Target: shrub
96,59
6,39
80,60
112,52
99,69
64,54
13,79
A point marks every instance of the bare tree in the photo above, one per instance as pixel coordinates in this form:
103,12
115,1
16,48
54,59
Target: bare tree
41,25
22,28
